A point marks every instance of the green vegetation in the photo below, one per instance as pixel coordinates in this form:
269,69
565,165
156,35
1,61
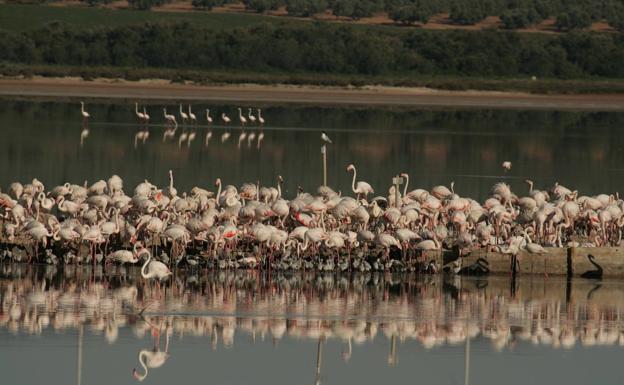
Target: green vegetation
205,48
28,17
321,48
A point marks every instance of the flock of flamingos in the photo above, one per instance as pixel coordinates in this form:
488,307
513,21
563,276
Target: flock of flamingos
189,120
256,226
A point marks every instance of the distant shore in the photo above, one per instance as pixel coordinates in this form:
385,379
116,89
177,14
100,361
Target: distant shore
367,95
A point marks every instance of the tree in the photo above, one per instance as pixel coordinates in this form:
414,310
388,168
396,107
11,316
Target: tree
305,8
575,18
467,12
262,5
519,18
417,12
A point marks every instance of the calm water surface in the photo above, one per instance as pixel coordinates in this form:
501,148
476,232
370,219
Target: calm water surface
73,326
583,150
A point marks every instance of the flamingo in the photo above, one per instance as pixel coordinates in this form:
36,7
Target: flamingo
208,117
252,119
192,116
260,118
361,188
241,118
226,119
85,114
139,114
153,269
147,117
170,118
506,166
183,115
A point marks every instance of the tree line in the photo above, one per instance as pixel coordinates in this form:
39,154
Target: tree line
514,14
321,48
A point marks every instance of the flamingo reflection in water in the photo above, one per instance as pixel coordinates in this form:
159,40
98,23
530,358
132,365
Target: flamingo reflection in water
153,358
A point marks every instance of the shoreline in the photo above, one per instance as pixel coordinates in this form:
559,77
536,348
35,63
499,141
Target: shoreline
159,89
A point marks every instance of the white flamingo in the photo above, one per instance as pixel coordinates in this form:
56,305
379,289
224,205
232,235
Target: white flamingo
361,188
85,114
208,117
138,113
260,118
145,115
154,269
226,119
241,118
192,116
170,118
252,119
183,115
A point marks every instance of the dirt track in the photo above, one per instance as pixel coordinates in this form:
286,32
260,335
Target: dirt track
389,96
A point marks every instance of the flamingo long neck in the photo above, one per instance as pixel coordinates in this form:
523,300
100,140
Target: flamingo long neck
240,114
82,108
181,112
406,183
136,108
218,193
170,180
208,115
279,189
149,257
353,183
142,356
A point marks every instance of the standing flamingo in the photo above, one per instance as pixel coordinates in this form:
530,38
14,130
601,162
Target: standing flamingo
241,118
147,117
260,118
183,115
252,119
192,116
139,114
85,115
361,188
208,117
170,118
153,269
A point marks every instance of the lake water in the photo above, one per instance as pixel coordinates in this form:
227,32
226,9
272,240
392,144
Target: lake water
582,150
72,326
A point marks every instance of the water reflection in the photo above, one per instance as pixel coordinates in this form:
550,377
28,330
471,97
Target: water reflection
581,149
432,311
